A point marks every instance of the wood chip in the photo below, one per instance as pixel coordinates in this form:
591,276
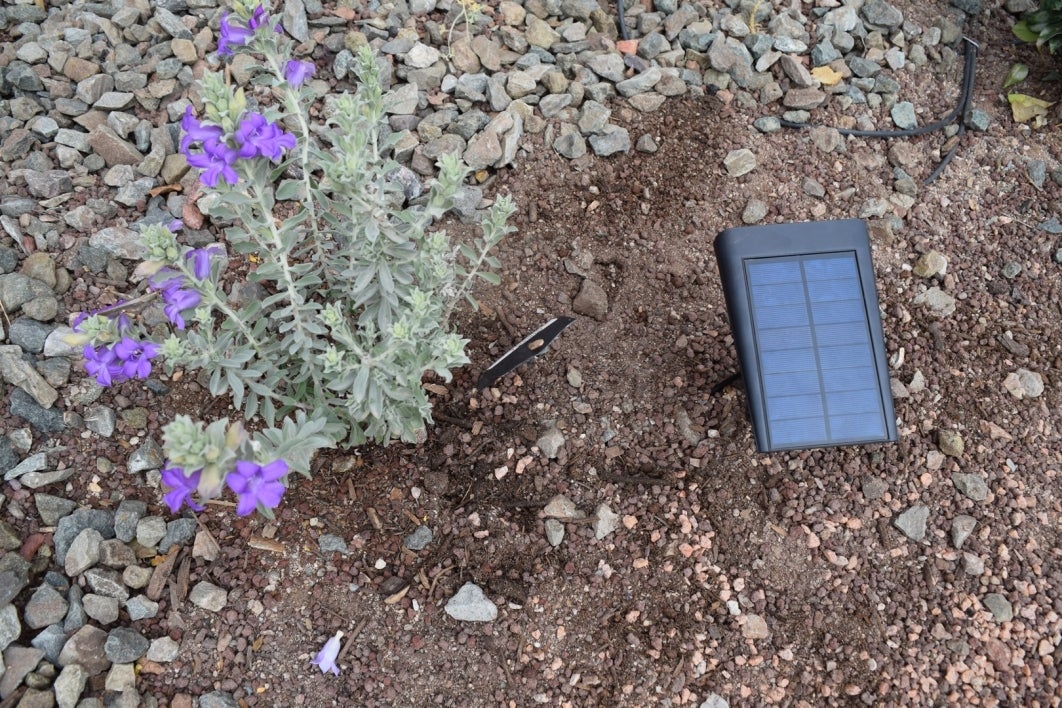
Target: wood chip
161,573
182,578
265,544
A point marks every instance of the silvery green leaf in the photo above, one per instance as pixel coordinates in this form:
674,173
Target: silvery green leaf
291,190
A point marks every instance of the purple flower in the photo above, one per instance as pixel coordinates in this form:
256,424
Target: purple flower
181,488
101,363
255,485
257,136
233,35
259,18
296,72
175,225
177,301
195,131
217,160
176,298
135,357
326,658
200,258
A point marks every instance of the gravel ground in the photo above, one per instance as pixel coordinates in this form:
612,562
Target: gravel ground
596,529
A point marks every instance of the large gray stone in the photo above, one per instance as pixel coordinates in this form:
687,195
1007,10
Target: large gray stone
471,605
125,645
46,606
85,647
913,522
73,524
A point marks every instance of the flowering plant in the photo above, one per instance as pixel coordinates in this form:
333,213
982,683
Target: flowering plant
354,293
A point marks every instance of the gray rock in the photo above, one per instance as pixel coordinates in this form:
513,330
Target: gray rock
882,15
171,24
115,554
639,83
591,301
46,185
19,372
978,120
76,618
608,66
85,647
295,22
561,507
217,699
52,508
10,627
714,700
163,650
739,162
999,606
69,685
178,532
554,532
113,149
874,488
571,145
970,485
903,115
119,242
128,514
550,442
16,289
755,211
913,522
208,596
107,582
73,524
101,608
950,442
33,463
150,530
613,139
471,605
14,576
84,552
1024,384
125,645
972,564
148,456
419,539
607,521
939,303
50,641
140,607
18,661
330,543
961,528
100,420
29,334
45,420
647,144
46,606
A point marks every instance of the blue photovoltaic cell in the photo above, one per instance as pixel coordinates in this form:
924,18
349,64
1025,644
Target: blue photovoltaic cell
817,367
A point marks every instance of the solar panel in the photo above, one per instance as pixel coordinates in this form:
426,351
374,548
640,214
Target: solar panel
803,308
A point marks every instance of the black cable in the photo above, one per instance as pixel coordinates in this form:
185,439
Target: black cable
622,21
968,73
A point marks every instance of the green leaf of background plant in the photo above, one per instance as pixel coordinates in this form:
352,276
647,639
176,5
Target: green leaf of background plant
1016,75
1024,33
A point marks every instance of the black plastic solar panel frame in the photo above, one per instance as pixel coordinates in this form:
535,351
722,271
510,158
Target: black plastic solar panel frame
739,248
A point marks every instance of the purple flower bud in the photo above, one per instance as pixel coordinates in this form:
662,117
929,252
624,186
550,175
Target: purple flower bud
200,258
296,72
175,225
181,488
255,485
